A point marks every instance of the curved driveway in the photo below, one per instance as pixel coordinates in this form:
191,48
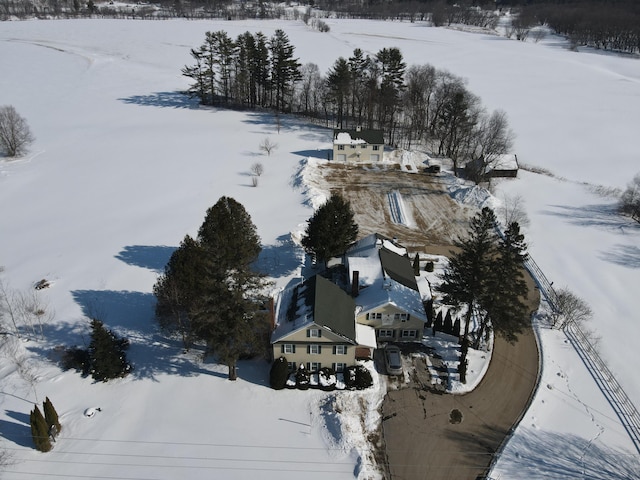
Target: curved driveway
423,443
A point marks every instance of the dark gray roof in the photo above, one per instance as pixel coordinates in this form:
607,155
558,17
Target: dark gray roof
375,137
399,268
333,308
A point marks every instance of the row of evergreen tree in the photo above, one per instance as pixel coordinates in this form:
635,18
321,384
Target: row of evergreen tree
486,277
418,104
44,428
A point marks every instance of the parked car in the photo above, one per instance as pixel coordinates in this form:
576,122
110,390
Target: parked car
393,360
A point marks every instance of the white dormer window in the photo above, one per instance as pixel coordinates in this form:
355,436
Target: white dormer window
314,333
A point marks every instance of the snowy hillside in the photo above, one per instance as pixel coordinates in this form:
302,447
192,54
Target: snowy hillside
123,167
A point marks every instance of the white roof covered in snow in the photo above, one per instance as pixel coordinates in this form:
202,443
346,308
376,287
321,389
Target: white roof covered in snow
507,161
344,138
377,288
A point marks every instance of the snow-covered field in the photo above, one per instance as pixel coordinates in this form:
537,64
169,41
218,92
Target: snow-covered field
123,167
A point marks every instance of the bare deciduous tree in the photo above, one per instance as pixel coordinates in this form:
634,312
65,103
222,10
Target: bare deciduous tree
630,199
24,310
573,309
513,210
267,146
15,134
257,169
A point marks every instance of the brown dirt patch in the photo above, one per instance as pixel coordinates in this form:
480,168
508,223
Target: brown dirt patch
438,218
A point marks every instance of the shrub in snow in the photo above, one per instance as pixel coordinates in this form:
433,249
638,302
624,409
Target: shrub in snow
39,430
303,378
51,417
456,328
448,324
357,377
438,324
279,374
429,267
107,353
327,379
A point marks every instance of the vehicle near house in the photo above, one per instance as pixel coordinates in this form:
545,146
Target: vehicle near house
393,360
319,324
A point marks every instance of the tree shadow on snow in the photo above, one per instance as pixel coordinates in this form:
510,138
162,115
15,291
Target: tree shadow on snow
153,257
18,432
131,315
163,99
540,454
151,352
600,216
280,259
623,255
290,123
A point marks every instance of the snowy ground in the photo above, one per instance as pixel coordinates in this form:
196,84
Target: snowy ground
123,167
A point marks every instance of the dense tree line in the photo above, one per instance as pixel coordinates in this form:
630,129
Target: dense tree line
602,24
412,105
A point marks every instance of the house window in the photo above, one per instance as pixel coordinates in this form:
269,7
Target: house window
314,333
288,348
403,317
315,349
376,148
353,147
374,316
291,366
314,366
340,147
408,334
385,333
340,350
339,367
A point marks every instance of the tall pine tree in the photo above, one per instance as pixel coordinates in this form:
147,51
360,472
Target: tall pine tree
466,279
228,312
177,289
331,229
504,302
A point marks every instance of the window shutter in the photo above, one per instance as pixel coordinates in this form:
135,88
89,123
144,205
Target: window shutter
294,348
308,333
333,366
308,348
319,349
335,349
282,348
319,333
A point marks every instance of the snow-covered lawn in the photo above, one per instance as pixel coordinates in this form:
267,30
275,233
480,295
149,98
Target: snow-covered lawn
123,167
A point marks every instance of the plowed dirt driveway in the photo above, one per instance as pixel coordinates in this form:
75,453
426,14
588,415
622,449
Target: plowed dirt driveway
424,439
